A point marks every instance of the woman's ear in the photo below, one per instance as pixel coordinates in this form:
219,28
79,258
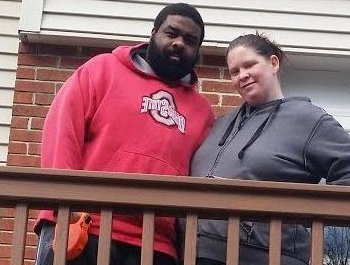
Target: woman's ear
275,63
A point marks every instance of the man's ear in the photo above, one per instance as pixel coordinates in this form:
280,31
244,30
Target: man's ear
275,63
154,30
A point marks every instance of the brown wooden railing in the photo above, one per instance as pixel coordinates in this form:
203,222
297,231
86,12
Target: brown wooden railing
25,189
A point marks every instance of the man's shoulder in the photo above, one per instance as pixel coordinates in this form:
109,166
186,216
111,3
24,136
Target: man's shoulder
100,59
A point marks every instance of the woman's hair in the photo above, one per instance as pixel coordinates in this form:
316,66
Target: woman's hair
260,44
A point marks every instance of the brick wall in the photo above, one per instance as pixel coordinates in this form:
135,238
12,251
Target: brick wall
42,69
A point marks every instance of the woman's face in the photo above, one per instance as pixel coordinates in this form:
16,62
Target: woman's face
254,76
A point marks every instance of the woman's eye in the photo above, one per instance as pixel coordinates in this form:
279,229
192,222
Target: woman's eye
250,64
234,73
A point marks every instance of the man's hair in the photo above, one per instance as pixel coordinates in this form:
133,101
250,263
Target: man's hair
180,9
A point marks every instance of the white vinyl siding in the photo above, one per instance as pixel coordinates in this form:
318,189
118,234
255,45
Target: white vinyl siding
4,132
9,43
9,19
7,79
8,61
3,155
5,117
6,97
321,26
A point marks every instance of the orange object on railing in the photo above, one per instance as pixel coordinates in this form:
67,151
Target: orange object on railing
78,236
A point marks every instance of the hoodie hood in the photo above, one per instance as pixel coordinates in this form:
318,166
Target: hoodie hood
246,111
127,55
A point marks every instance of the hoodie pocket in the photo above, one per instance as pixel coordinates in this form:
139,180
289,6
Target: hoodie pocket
295,238
136,162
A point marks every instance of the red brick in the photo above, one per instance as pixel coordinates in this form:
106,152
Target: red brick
27,110
31,239
57,49
53,74
25,73
37,123
92,51
28,262
234,100
7,212
35,86
23,97
208,72
17,148
71,62
5,251
58,87
226,74
214,86
30,225
5,237
7,224
214,60
5,261
38,60
19,122
25,135
10,213
34,149
212,98
33,214
221,110
24,161
44,99
29,252
27,48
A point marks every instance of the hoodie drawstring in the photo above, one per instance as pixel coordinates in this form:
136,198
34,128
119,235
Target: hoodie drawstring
259,130
230,127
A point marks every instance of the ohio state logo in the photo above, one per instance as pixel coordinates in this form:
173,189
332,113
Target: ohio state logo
162,108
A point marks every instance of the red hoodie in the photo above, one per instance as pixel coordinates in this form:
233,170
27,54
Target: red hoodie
110,116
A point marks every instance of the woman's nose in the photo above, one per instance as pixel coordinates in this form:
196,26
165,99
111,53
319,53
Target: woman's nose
243,75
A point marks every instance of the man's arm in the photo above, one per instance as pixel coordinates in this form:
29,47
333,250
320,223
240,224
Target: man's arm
65,125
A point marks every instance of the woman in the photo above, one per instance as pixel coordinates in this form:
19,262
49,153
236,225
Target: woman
268,138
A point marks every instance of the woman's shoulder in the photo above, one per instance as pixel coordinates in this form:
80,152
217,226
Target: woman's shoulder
302,105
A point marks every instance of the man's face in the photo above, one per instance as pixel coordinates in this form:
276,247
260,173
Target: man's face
173,48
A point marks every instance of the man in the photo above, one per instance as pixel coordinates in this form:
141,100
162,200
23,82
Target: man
135,110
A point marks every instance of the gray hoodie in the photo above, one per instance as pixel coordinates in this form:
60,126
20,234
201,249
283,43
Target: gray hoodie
288,140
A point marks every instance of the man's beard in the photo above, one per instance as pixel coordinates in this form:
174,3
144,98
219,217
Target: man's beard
166,68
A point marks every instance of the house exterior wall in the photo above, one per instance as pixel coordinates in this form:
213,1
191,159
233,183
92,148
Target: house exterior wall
298,25
9,18
316,37
61,35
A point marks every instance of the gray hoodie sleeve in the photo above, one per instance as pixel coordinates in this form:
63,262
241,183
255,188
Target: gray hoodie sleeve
327,152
